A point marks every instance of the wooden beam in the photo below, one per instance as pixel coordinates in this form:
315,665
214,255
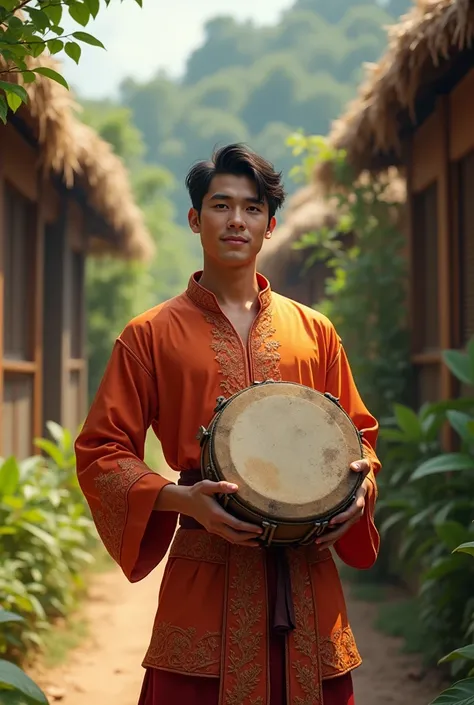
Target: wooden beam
2,240
445,249
38,312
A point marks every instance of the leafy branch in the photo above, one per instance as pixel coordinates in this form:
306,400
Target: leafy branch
29,29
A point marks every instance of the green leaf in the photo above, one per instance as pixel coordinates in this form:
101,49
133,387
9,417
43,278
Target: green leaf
3,109
41,534
465,548
28,76
7,617
55,46
460,422
470,354
80,13
14,88
14,677
451,533
13,101
39,18
54,12
73,50
52,74
459,364
466,652
56,431
408,421
9,477
88,39
448,462
94,7
461,693
52,450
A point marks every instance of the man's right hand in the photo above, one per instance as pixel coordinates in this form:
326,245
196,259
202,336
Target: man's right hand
200,503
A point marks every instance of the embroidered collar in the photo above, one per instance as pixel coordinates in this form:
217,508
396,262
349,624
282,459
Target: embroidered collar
205,299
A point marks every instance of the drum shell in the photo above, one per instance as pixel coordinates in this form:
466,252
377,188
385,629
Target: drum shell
276,531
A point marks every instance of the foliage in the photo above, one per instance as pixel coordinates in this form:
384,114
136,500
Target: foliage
461,692
428,502
366,299
258,84
116,291
46,540
13,681
29,28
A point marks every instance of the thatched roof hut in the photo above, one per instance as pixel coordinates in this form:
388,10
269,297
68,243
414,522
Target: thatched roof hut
83,160
429,50
306,212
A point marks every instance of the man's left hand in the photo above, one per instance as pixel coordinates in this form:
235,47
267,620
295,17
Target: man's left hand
343,522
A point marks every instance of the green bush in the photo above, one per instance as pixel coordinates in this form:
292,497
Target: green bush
461,692
428,504
47,539
16,687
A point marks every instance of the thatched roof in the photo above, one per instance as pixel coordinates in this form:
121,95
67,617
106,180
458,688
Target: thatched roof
307,211
426,43
74,151
311,209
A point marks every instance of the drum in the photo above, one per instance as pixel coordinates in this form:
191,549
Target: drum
288,448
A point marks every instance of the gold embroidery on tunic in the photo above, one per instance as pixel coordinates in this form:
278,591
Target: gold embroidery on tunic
305,635
113,487
176,649
265,355
200,546
244,635
339,653
229,354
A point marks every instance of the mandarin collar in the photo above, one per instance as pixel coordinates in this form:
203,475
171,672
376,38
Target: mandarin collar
206,299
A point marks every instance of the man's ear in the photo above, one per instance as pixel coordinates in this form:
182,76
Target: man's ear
193,220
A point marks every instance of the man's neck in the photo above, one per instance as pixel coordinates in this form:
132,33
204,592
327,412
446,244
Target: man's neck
232,287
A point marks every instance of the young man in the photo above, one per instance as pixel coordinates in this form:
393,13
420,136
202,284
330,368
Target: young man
214,641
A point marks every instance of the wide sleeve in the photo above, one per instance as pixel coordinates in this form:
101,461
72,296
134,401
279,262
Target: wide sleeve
359,547
120,488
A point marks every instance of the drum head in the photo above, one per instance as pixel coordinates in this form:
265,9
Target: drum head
288,448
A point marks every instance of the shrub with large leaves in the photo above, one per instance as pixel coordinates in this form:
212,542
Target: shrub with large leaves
47,538
461,692
428,505
15,686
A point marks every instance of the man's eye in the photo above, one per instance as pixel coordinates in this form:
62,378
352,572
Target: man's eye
221,206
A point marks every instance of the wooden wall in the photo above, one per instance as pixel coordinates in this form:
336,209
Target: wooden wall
441,226
42,367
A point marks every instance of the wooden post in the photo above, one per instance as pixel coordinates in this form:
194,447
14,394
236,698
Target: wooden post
38,312
2,265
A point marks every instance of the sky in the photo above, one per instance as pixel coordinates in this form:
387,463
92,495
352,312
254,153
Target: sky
161,35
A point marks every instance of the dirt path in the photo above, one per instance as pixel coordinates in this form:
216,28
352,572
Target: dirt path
106,670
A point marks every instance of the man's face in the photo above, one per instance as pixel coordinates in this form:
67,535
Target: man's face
233,223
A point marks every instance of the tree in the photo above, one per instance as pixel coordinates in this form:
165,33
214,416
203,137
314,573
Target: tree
29,29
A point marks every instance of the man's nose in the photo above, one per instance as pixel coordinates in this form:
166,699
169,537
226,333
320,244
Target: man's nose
236,220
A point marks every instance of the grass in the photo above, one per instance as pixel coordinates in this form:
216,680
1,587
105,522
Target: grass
401,619
62,638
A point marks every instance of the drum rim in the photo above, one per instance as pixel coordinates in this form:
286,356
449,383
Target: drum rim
214,471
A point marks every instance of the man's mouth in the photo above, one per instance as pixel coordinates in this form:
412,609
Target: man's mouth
235,238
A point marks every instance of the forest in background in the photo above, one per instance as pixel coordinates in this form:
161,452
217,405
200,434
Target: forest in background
248,83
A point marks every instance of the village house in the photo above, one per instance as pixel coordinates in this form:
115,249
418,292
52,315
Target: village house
64,195
416,112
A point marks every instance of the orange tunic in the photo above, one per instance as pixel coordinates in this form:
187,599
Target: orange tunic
167,369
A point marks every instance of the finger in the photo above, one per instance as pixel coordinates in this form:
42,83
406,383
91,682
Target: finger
356,508
362,466
333,536
240,526
209,487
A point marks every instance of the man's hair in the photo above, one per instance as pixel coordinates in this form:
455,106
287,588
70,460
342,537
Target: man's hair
239,160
